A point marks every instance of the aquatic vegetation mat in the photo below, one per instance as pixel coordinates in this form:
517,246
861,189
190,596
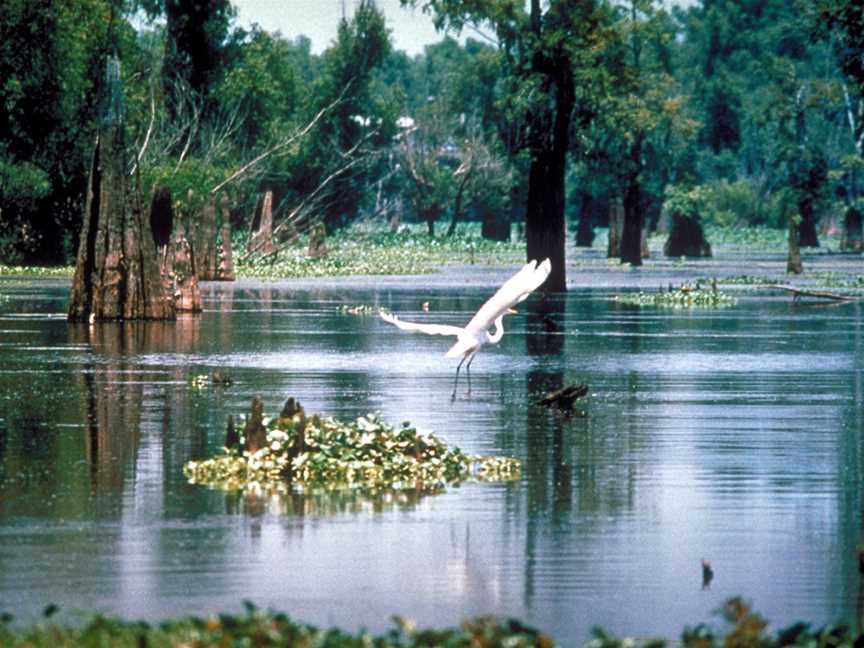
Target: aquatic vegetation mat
36,271
263,628
684,296
270,629
355,251
293,453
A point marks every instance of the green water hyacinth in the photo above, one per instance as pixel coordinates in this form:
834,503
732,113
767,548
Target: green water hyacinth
36,271
684,296
311,454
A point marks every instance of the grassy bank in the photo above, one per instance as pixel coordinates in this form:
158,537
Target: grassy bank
742,628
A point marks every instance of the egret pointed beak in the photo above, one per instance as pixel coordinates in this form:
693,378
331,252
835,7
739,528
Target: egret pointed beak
511,311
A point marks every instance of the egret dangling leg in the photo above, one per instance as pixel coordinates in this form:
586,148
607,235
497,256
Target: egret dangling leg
469,357
456,382
468,371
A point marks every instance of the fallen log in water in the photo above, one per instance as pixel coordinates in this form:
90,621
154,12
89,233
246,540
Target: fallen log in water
817,294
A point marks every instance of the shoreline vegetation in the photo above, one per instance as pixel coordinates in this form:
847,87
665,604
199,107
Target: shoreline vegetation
743,628
366,251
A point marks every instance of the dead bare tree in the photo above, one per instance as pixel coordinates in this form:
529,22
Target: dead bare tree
306,215
281,145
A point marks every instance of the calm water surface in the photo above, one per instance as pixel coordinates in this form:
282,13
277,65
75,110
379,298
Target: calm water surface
733,436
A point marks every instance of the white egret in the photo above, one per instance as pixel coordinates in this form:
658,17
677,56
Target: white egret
475,334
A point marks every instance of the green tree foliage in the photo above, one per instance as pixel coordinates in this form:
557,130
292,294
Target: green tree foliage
51,57
769,103
196,45
841,23
361,119
756,102
550,52
264,87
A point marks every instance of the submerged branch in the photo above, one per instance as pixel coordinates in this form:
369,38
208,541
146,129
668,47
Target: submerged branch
818,294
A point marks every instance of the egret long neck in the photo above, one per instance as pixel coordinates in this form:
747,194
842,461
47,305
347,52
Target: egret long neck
495,338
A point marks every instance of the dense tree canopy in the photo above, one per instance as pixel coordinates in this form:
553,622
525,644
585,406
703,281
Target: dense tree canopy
547,111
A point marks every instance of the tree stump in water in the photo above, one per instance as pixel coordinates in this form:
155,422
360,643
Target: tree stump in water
565,398
179,274
204,241
853,231
232,438
317,243
687,238
261,231
616,229
225,271
116,270
254,431
793,262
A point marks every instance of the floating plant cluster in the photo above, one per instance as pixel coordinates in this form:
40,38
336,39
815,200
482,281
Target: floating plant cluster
359,309
295,453
684,296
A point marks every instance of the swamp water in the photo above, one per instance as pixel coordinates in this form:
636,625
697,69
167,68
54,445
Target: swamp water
730,435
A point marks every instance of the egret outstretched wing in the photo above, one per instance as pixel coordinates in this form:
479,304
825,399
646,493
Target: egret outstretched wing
430,329
514,290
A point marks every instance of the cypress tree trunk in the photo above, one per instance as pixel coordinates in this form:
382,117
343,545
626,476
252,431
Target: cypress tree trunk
203,241
616,228
631,237
261,230
853,232
687,238
807,235
793,263
496,225
225,271
585,229
162,216
116,271
545,231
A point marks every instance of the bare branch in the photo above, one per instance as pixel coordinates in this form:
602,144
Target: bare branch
149,128
283,144
292,217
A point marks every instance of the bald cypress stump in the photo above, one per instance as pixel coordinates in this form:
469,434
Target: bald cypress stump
793,260
616,229
162,216
261,231
853,231
179,275
116,270
225,271
204,241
